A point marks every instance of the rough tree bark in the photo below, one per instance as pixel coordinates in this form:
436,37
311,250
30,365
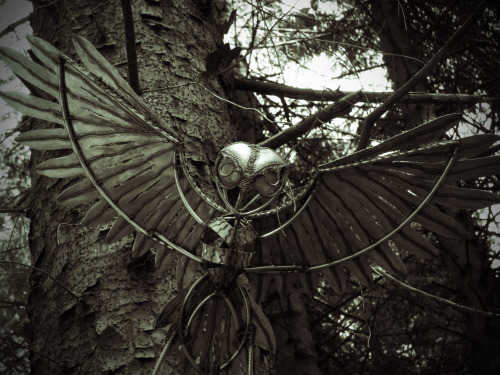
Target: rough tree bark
107,325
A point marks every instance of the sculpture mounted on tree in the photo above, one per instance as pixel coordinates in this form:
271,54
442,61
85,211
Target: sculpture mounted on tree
347,214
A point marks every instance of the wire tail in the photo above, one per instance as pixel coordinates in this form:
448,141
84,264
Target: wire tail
217,328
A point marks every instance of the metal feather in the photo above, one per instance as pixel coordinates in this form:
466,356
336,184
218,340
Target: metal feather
352,213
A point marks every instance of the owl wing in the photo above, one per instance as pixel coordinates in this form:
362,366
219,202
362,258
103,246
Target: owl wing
364,208
125,153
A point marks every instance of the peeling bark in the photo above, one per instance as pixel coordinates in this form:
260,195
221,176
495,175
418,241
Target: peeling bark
110,327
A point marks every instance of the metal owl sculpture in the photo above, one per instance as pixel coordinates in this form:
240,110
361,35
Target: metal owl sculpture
349,214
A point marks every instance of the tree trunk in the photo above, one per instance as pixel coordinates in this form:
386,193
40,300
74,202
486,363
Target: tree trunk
400,57
472,279
478,288
294,337
108,324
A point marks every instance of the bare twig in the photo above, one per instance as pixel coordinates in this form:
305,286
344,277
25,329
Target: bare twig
128,24
334,110
421,74
12,210
13,25
94,18
31,350
42,271
381,272
8,304
271,88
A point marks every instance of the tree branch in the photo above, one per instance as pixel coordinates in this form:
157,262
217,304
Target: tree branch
128,24
342,107
8,304
271,88
13,25
369,122
12,210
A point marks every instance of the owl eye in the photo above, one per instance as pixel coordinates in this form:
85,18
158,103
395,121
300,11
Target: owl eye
272,178
267,183
226,169
229,175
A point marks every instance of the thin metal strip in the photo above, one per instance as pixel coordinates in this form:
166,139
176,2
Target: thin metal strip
181,193
303,191
388,236
180,322
289,221
205,197
63,100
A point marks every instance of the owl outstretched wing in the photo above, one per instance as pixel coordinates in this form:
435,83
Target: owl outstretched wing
360,210
125,152
352,212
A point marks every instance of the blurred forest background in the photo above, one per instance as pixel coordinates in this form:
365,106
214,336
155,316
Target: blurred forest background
333,47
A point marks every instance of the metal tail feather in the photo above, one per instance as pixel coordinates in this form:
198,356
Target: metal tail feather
215,329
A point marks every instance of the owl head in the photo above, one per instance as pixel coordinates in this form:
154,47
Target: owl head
249,177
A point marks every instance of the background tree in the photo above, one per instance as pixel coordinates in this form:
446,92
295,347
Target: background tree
406,35
100,314
378,330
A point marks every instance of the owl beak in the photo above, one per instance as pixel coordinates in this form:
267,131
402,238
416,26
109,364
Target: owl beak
241,203
245,200
248,201
239,200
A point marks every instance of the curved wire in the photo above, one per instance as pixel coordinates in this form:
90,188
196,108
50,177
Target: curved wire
195,187
198,308
157,236
163,353
180,322
206,299
382,273
303,191
181,193
233,311
63,100
247,325
389,235
384,157
223,196
264,205
289,221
